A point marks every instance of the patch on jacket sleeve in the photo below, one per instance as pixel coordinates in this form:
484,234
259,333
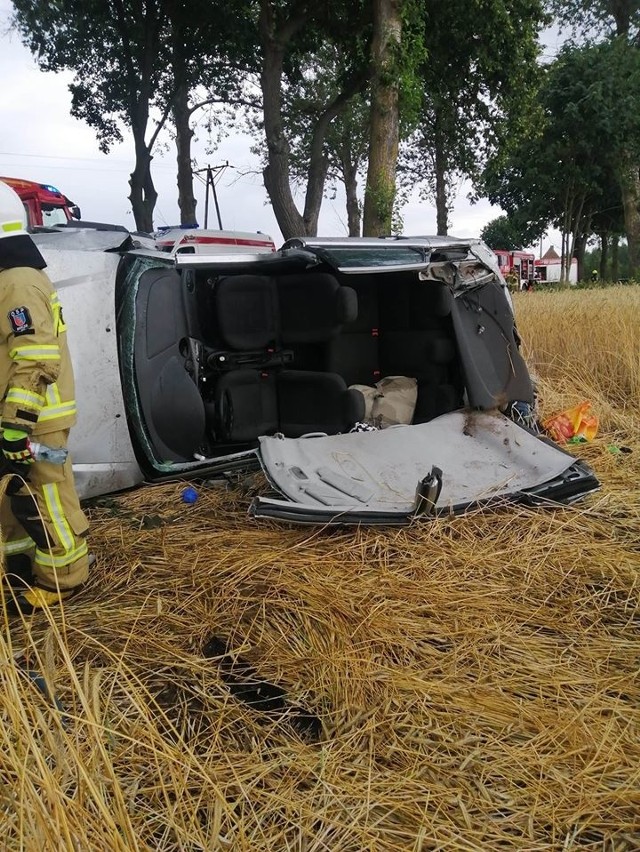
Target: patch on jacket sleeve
20,320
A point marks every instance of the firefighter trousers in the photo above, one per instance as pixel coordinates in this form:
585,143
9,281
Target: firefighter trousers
43,522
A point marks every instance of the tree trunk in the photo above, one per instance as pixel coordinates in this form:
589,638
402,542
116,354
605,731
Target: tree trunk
383,141
315,192
442,199
184,134
349,170
579,227
276,172
604,255
140,84
622,11
318,160
317,174
580,248
353,206
615,257
181,112
630,189
140,181
150,198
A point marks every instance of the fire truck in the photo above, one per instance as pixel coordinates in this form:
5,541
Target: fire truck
44,204
522,263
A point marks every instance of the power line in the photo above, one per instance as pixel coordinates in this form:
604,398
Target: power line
128,163
73,169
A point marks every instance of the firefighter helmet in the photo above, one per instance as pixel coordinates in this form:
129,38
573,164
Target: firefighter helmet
13,220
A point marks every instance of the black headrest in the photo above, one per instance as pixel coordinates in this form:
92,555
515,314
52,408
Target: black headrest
347,305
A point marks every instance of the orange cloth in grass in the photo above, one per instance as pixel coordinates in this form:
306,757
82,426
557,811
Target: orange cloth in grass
576,422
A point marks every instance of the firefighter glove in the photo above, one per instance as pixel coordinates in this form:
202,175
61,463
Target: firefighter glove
16,447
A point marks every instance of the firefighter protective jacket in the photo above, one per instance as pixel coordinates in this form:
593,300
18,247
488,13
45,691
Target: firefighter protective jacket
36,375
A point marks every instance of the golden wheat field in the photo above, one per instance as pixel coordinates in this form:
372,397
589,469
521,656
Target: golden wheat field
470,683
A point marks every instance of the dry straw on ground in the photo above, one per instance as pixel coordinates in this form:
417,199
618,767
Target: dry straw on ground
476,677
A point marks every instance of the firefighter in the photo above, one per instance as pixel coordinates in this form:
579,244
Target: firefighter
513,280
43,527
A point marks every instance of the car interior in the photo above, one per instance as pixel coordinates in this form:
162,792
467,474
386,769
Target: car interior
221,359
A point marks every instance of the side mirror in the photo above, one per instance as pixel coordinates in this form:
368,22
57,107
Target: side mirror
75,211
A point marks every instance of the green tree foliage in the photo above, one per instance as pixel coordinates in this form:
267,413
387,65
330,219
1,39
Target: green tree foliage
114,48
503,233
134,63
292,35
589,126
616,22
593,20
612,267
478,84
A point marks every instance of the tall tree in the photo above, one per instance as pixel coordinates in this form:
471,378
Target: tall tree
618,22
289,33
503,233
348,148
137,63
117,50
212,49
593,20
589,124
345,143
385,119
478,81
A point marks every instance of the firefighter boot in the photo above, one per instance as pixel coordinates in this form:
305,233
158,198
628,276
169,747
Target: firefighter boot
37,597
18,572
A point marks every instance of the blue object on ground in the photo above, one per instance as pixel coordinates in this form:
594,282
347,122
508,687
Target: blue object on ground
189,495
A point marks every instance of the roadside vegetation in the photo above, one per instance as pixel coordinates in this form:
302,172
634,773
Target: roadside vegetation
468,683
531,103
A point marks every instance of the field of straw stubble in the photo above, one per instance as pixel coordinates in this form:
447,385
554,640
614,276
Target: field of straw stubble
475,679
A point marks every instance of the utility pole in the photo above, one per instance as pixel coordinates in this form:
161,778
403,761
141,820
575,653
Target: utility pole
213,174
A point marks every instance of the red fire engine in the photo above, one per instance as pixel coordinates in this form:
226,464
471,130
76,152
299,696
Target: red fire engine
44,204
520,262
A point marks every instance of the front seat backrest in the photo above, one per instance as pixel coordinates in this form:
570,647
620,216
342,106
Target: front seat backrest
313,307
247,311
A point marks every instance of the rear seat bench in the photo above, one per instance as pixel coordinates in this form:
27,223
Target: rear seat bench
402,330
259,318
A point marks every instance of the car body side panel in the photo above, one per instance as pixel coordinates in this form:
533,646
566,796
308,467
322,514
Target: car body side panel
100,444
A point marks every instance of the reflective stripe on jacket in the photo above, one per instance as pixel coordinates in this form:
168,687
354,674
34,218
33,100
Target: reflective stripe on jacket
36,375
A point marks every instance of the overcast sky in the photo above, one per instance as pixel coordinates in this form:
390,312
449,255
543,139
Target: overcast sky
41,141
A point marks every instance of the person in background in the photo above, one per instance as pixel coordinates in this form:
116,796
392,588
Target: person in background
46,557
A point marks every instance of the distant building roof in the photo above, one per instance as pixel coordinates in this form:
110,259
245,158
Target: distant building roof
551,254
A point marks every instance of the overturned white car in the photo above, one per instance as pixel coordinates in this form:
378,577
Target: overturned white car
195,365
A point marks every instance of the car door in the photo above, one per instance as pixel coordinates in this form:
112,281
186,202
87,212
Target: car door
494,370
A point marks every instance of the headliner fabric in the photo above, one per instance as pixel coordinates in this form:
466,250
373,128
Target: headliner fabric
482,455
